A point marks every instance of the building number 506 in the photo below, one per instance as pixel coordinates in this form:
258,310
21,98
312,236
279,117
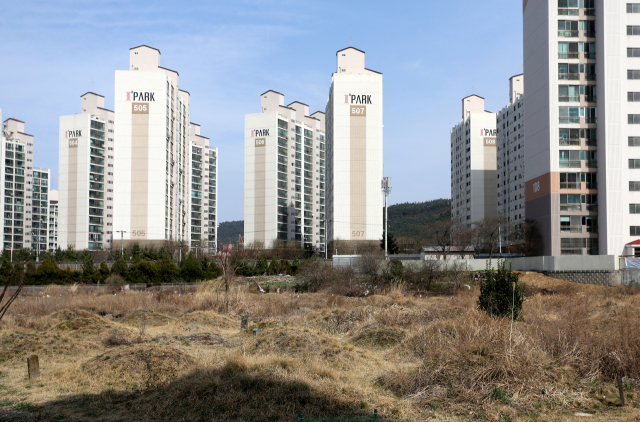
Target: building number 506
140,107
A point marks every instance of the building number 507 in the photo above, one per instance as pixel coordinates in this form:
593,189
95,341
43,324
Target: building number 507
357,110
356,233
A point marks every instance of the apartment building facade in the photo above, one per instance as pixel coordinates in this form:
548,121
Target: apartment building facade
354,128
202,198
474,164
510,158
40,209
53,220
153,160
580,60
16,189
285,177
86,176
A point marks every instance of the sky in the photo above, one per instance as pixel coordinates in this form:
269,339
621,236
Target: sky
432,53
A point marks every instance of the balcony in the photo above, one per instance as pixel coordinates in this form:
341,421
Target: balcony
569,55
568,33
571,229
570,185
572,207
568,120
589,34
568,98
570,164
564,11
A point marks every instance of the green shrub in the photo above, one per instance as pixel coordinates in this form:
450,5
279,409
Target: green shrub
501,293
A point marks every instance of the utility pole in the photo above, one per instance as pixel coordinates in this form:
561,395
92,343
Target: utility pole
500,239
122,232
386,190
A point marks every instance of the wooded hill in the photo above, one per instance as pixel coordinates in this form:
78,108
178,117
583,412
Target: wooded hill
410,220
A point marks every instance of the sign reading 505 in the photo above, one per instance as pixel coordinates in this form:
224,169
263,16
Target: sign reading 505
140,108
358,110
139,233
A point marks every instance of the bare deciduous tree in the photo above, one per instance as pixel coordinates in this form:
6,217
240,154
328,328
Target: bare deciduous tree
229,260
16,278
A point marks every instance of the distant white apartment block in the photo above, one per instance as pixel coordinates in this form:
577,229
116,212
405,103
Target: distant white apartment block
152,177
203,194
473,164
40,209
510,150
17,190
53,220
354,128
285,178
86,176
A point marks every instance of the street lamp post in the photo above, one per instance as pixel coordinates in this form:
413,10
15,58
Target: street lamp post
386,190
122,232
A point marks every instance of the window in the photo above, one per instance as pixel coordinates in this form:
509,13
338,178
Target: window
633,74
635,231
634,208
634,119
634,141
570,181
569,93
634,186
633,7
633,97
568,50
572,246
570,114
633,30
634,164
570,136
568,71
570,202
633,52
570,159
567,28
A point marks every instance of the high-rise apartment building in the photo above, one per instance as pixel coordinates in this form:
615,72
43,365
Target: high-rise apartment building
40,209
86,176
153,152
284,180
16,188
581,68
473,164
354,129
203,185
510,150
53,220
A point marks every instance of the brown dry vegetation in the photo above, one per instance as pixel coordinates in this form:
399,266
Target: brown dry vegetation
179,356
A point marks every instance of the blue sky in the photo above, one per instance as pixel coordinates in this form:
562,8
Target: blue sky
432,54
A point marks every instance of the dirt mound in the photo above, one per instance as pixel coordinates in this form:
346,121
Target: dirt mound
286,340
207,339
340,321
208,318
82,321
376,336
140,366
152,319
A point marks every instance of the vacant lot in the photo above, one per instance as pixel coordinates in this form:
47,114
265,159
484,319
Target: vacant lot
180,355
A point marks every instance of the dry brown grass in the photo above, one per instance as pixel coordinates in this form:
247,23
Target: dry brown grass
180,355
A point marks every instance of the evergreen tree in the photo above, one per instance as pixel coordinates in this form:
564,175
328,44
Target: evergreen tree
274,268
120,268
102,273
48,272
166,269
262,265
501,293
190,269
392,246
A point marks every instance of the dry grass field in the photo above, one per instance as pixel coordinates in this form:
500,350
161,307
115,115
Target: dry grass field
180,356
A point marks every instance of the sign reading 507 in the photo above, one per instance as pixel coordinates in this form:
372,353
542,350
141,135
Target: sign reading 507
358,110
140,108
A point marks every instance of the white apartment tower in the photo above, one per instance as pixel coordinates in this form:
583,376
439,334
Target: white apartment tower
202,198
152,163
473,164
582,67
16,190
86,176
354,128
510,159
284,174
53,220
